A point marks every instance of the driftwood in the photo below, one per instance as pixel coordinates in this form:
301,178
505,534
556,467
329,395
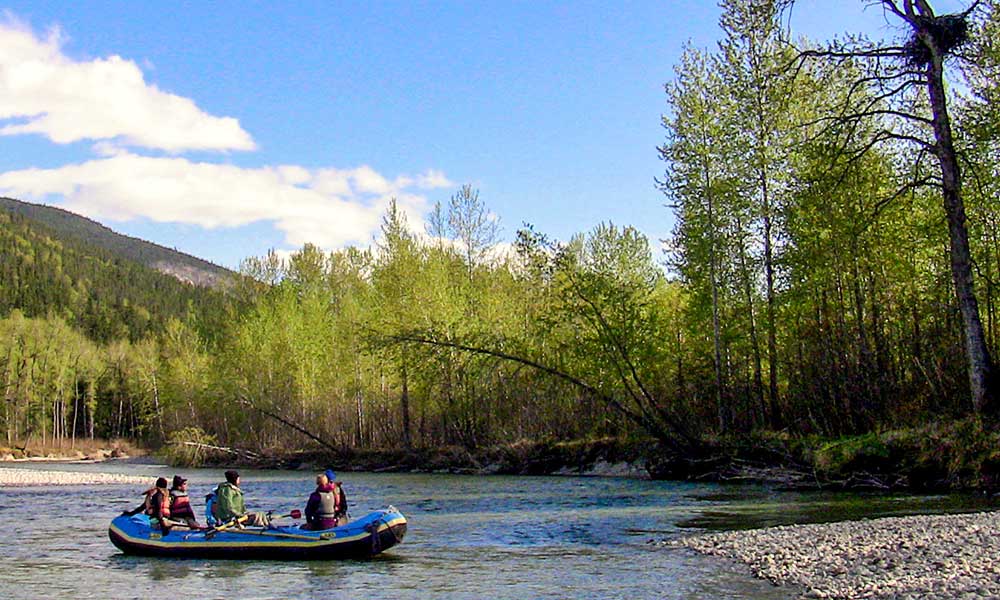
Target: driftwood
236,451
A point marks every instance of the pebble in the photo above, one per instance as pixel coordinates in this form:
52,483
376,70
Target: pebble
926,557
36,477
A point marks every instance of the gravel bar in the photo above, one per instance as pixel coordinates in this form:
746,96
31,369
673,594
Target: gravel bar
34,477
939,556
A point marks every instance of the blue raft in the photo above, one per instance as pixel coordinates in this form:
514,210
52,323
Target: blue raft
362,538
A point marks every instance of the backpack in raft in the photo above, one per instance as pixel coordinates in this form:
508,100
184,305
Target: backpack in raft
211,512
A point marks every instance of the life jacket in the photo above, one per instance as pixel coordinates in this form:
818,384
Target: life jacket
329,502
180,504
157,508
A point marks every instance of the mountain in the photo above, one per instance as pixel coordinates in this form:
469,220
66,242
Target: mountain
109,286
65,224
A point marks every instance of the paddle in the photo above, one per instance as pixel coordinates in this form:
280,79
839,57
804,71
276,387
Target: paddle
278,534
237,521
295,514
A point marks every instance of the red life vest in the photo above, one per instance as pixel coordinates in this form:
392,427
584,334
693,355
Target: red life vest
180,504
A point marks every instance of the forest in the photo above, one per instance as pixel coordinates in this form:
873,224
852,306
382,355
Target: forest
834,271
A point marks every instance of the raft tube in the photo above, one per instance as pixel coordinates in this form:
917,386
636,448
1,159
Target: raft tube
362,538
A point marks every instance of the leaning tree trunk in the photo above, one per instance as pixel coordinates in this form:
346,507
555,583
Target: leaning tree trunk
979,361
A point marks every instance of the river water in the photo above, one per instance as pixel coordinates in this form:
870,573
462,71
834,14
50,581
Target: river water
469,537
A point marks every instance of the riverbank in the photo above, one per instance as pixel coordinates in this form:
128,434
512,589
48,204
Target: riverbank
36,477
962,455
948,456
82,450
605,457
917,557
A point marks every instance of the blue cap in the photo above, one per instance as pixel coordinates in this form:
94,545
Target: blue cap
331,475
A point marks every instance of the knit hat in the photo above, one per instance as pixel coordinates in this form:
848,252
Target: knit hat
331,475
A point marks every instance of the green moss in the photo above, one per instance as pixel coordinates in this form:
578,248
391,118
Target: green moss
846,455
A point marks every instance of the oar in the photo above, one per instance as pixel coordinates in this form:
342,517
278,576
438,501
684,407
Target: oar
280,534
237,521
295,514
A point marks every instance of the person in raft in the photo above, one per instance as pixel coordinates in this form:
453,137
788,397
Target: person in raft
229,504
181,512
341,497
152,501
321,509
157,505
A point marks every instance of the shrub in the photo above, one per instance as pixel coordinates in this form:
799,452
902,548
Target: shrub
189,447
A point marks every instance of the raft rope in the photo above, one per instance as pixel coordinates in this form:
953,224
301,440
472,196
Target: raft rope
374,527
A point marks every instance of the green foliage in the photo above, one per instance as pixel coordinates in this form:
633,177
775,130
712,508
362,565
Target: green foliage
847,455
808,297
45,271
189,447
80,231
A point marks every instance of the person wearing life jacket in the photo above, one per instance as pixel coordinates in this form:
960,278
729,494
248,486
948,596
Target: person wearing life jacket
146,502
157,505
181,511
341,497
229,504
321,509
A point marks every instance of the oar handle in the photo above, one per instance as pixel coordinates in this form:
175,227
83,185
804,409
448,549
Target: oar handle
211,533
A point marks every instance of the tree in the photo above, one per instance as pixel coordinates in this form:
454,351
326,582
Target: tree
699,185
395,267
897,74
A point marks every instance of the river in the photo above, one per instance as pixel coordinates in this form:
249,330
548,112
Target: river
469,537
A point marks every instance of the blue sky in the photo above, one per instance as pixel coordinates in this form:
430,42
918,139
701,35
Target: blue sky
227,128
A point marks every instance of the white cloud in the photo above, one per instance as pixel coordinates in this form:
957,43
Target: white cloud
42,91
331,208
433,179
108,102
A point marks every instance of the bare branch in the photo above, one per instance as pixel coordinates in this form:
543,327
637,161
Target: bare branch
639,419
908,187
925,9
972,8
247,402
893,8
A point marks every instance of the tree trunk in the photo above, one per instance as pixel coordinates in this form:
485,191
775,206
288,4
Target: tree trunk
359,400
758,384
980,364
716,328
404,406
156,407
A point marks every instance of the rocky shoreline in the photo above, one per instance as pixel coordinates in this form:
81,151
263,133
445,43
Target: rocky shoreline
38,477
915,557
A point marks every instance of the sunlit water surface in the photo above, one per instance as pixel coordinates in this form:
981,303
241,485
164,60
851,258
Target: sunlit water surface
469,537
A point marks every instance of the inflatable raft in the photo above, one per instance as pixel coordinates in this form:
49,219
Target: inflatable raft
362,538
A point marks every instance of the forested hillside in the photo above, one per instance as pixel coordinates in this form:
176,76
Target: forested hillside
104,295
812,288
72,227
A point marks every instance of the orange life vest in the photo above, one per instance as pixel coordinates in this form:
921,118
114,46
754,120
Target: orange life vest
157,508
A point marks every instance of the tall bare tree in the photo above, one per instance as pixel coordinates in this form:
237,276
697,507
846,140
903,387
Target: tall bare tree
904,89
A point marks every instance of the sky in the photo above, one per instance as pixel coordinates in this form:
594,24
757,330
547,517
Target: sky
225,129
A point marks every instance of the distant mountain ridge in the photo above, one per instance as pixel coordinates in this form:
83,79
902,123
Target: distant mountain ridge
186,268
